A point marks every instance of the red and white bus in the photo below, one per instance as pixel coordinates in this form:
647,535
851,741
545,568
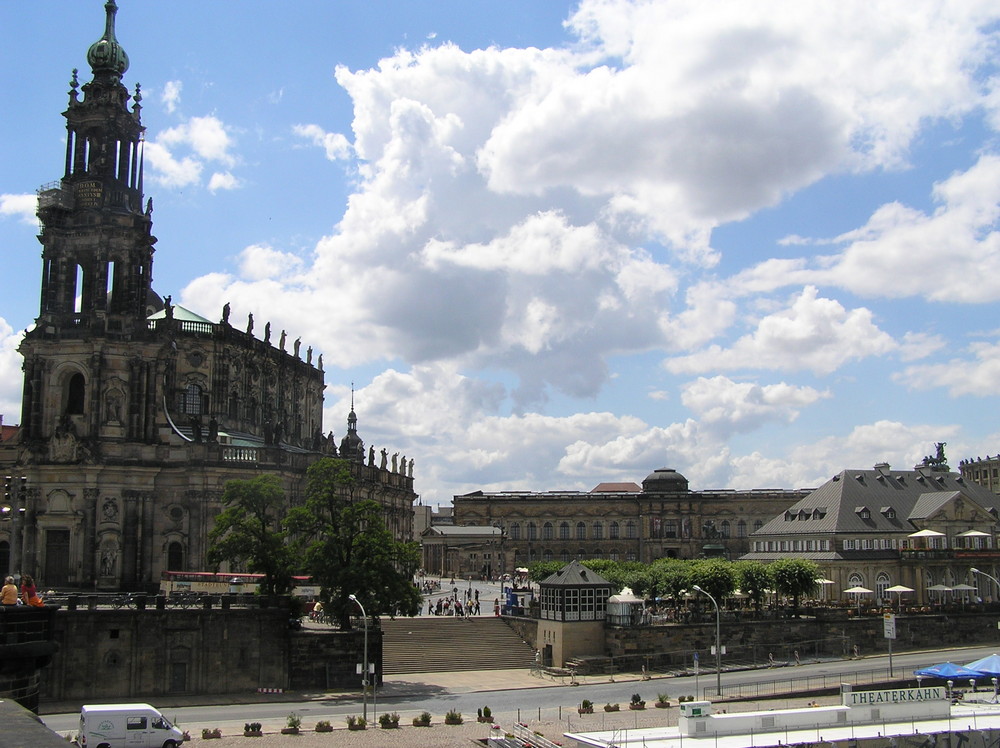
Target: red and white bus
225,583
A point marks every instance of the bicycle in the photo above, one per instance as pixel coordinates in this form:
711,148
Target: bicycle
123,599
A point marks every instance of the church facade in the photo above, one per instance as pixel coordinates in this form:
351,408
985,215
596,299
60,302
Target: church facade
136,411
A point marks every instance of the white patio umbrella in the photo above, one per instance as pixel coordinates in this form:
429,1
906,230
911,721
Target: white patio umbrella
826,583
969,534
940,588
858,591
899,589
963,588
925,534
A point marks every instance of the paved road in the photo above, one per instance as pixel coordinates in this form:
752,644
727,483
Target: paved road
513,695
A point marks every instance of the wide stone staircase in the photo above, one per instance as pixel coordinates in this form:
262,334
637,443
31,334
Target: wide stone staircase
434,644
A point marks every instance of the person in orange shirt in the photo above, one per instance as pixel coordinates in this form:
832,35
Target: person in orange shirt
8,595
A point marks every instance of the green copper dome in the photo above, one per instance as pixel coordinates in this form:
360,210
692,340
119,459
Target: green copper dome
106,55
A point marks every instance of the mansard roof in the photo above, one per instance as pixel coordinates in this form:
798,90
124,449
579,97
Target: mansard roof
575,574
877,501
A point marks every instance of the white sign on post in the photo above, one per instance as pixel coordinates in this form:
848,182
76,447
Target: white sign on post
889,626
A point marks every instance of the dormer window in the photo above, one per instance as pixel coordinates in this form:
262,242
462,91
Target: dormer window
888,512
789,517
819,512
863,512
803,515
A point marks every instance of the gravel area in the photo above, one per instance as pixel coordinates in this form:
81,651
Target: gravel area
440,735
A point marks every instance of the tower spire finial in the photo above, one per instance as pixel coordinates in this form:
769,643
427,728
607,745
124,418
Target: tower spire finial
106,55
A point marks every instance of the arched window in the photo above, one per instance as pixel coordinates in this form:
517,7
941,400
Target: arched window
855,580
581,531
191,400
175,557
669,528
76,394
630,530
615,532
757,525
741,529
598,530
517,558
882,583
547,556
564,530
515,531
613,554
532,531
547,531
725,528
564,557
582,554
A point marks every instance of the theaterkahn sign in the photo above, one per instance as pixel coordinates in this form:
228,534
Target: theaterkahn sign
894,696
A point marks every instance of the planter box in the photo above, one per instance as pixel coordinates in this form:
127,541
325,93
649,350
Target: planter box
356,727
327,728
662,704
637,707
253,733
611,708
289,731
420,723
587,710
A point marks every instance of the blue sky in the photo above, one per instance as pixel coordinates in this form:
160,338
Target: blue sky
554,244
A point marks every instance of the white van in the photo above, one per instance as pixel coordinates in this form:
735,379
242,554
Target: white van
126,726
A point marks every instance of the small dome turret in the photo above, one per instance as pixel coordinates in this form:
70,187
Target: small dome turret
664,480
106,55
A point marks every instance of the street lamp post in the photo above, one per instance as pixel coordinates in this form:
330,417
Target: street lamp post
718,643
988,576
364,675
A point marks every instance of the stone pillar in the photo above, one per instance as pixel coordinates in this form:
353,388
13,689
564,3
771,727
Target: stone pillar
146,539
130,545
89,550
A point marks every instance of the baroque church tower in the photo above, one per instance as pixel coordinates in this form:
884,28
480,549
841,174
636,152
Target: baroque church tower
97,262
135,411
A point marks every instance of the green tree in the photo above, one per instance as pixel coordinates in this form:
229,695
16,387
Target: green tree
794,577
755,580
716,576
249,532
671,576
347,549
539,570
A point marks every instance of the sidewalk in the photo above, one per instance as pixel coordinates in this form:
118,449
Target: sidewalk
411,684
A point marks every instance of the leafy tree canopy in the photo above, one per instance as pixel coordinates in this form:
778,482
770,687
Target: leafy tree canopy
794,577
716,576
347,549
755,579
249,534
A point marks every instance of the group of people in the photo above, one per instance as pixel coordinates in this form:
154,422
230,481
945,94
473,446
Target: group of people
27,595
453,606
